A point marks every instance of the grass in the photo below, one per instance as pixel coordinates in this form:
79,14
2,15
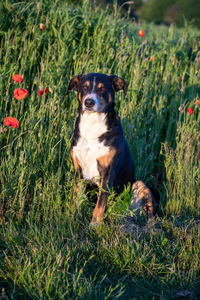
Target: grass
47,250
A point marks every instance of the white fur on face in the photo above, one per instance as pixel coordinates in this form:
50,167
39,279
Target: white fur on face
89,149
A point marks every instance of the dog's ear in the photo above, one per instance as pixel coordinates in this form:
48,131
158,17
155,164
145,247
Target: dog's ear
118,84
74,83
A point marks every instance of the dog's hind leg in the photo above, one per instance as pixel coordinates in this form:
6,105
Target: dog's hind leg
142,198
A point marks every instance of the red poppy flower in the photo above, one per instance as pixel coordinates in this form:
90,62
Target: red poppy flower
197,102
141,32
42,91
152,58
41,26
190,111
17,78
20,94
10,121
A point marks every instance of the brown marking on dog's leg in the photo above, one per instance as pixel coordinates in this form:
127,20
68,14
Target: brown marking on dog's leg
105,160
142,198
99,210
100,205
76,167
75,160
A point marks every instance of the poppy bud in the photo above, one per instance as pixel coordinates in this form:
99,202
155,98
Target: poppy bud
190,111
141,33
41,26
42,91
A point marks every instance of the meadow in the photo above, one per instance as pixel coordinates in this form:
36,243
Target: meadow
47,250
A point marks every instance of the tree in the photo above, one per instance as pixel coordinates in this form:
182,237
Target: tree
190,9
171,11
154,10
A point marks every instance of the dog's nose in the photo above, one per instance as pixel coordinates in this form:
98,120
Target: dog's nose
89,103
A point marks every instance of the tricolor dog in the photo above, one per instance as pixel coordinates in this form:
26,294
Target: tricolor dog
99,150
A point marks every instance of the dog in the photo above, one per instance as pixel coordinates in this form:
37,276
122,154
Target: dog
99,150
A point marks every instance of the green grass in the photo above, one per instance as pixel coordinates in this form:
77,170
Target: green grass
47,250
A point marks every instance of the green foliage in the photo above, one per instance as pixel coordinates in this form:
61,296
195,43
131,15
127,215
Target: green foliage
171,11
154,10
47,250
191,11
183,171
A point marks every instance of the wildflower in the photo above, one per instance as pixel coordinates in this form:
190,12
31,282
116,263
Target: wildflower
42,91
41,26
20,94
141,33
197,102
152,58
12,8
190,111
17,78
10,121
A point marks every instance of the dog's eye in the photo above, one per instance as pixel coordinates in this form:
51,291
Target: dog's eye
85,88
101,89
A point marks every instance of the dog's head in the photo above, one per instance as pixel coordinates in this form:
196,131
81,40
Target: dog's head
96,90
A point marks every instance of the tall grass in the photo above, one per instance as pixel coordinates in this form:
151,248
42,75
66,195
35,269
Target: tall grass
46,248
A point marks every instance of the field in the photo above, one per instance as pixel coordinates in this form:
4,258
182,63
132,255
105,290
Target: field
47,250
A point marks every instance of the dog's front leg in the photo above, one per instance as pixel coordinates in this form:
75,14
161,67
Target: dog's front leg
106,170
76,169
101,201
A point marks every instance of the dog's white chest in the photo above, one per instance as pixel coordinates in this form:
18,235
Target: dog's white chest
88,148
